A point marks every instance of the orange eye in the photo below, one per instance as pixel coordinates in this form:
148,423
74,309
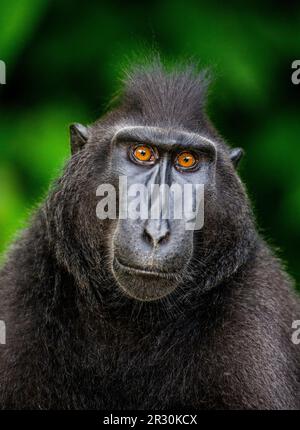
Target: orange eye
186,160
144,154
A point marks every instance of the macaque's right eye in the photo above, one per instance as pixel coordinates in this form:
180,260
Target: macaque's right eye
143,154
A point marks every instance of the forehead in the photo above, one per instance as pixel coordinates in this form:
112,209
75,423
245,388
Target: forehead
163,137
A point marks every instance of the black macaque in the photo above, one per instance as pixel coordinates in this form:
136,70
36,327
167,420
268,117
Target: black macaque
144,314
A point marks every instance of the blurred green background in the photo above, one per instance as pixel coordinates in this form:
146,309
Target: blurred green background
63,62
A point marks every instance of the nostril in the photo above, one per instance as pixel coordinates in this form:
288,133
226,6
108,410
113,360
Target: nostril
164,238
147,237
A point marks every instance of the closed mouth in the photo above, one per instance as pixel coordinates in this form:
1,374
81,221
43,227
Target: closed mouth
143,271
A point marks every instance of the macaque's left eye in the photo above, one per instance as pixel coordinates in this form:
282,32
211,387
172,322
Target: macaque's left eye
143,154
186,161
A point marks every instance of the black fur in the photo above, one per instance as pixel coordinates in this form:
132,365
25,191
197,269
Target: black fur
74,340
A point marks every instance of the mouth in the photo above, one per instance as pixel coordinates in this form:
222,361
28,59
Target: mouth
135,270
143,284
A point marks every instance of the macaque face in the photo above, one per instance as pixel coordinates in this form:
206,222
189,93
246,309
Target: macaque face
152,251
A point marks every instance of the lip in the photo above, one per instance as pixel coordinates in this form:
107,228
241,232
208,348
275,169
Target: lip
144,272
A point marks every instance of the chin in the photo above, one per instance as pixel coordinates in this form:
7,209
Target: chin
144,285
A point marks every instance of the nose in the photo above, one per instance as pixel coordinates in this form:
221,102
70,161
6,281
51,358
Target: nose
156,232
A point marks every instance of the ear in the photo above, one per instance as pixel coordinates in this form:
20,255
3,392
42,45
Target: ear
236,155
78,137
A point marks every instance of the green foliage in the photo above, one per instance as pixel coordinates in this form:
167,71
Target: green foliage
64,58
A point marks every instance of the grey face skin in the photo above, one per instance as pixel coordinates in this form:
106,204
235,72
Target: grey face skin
150,257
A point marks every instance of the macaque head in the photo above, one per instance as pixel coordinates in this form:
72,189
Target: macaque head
159,203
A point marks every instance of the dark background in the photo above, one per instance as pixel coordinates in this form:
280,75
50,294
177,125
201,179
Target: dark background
64,60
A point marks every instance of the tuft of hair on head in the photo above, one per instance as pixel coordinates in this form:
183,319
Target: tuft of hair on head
171,96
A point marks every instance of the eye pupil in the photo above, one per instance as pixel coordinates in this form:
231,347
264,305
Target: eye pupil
142,153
